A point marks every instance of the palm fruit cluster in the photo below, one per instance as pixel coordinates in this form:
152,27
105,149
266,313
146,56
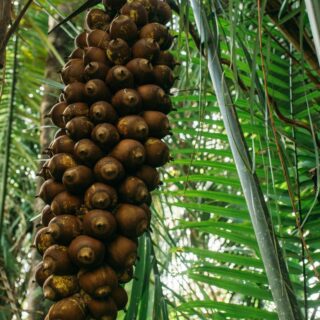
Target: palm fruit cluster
103,160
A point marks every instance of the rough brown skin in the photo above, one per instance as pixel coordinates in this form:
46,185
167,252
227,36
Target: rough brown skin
105,135
99,282
120,297
156,31
93,54
87,152
59,163
130,153
86,251
142,70
56,260
66,203
149,175
122,252
96,90
118,51
49,189
43,240
46,215
65,228
98,38
103,309
132,220
81,40
127,101
77,179
58,287
74,92
119,77
157,122
79,128
56,114
123,27
68,309
100,196
41,275
99,224
146,48
137,12
109,170
133,127
133,190
73,71
96,70
157,152
97,19
102,111
73,110
62,144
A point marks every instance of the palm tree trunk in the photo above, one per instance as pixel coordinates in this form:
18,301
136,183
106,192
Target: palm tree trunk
5,16
271,254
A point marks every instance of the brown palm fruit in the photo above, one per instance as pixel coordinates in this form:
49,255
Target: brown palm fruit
105,135
64,228
73,71
132,220
99,224
41,275
96,70
56,260
163,12
77,179
163,76
59,163
133,127
77,53
122,252
96,90
147,210
119,77
130,153
125,276
147,48
46,215
100,196
149,175
109,170
74,92
58,287
98,283
142,70
120,297
102,111
97,19
62,144
123,27
49,189
43,240
56,113
66,203
70,308
81,40
168,43
105,309
113,5
166,58
149,5
157,122
73,110
157,152
94,54
137,12
79,128
60,132
98,38
86,252
87,152
127,101
44,171
156,31
118,51
133,190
